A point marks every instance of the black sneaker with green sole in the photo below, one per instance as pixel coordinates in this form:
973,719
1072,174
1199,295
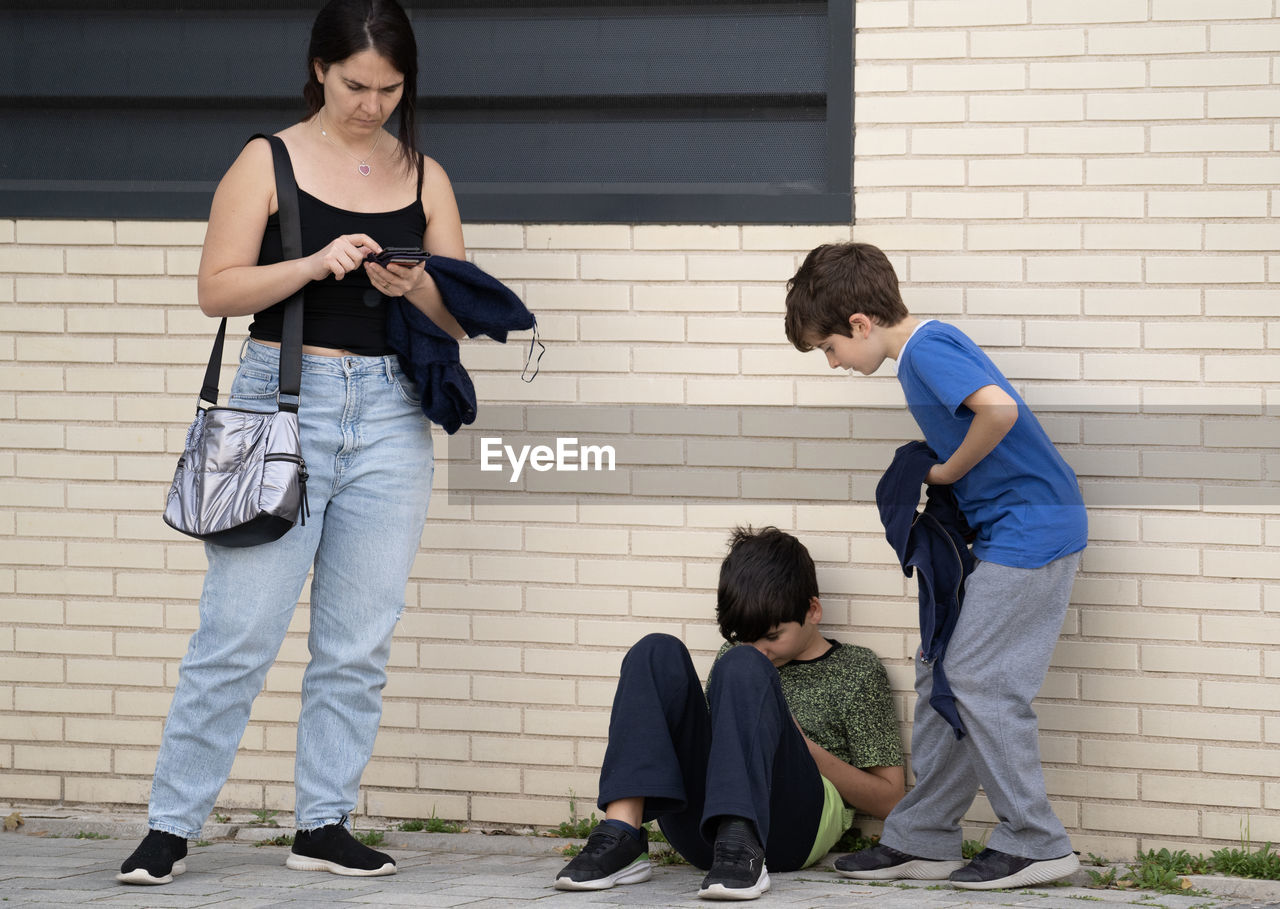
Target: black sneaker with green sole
611,856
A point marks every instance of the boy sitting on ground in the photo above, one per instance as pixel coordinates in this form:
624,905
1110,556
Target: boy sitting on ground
1022,502
757,772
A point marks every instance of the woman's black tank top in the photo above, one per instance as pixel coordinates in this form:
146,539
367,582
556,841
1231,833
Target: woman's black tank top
347,314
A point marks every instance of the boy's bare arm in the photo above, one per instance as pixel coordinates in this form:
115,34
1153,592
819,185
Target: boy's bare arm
994,414
874,790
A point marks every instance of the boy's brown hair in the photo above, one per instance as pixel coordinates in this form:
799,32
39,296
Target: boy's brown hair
836,281
767,578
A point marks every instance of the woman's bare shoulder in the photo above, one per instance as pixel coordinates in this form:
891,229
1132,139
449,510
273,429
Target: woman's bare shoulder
433,173
249,185
444,224
254,163
436,189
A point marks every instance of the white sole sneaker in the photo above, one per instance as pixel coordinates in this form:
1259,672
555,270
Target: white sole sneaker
721,892
1041,872
305,863
143,876
639,870
914,870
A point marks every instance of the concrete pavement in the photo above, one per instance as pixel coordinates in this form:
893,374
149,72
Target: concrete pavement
45,864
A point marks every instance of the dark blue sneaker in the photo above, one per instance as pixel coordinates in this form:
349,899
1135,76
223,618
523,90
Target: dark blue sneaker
995,870
884,863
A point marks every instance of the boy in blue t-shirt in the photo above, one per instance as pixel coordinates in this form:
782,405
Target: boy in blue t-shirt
1023,501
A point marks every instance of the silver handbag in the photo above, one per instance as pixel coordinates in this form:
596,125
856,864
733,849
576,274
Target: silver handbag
241,479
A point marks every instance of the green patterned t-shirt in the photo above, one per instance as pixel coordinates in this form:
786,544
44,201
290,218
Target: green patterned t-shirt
842,702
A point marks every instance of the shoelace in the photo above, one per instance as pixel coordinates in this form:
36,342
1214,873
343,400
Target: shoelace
735,846
600,841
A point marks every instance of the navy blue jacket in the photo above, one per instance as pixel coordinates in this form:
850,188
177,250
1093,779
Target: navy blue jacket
429,355
932,543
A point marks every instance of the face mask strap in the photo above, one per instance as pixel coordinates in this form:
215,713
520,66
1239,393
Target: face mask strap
542,348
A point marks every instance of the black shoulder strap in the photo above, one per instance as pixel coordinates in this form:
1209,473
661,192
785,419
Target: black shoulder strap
291,337
291,238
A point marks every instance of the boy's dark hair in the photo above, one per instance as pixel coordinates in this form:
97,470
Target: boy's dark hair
836,281
766,579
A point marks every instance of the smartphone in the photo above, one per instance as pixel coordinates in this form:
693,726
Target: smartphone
401,255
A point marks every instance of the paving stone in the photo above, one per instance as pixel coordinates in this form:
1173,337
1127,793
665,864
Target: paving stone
49,871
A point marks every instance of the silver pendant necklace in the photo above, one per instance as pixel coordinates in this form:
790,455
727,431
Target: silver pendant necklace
362,164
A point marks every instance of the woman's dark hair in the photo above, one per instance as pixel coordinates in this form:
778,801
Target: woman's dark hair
836,281
347,27
767,579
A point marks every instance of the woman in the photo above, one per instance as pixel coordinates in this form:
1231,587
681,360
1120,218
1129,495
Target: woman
365,440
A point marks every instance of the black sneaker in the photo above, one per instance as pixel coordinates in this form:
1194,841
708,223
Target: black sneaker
884,863
995,870
737,864
333,848
610,856
157,860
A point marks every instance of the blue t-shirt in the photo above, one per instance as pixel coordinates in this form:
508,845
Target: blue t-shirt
1022,499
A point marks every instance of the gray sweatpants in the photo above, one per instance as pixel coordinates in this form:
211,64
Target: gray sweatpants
996,662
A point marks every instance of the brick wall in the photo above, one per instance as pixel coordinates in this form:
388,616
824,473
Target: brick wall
1086,187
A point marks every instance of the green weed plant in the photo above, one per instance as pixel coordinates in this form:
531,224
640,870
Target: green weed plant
439,825
284,839
667,857
575,828
432,824
1163,870
854,841
1264,864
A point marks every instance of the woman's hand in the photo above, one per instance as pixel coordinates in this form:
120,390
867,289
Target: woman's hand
341,257
395,280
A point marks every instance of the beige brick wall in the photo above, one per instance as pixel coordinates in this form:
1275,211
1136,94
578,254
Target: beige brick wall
1087,186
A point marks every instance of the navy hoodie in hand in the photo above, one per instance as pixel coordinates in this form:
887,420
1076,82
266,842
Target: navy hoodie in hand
932,543
429,355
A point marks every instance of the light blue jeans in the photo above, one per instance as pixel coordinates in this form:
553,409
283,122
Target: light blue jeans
367,447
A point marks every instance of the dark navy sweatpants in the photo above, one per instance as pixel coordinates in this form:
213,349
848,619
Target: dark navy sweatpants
742,756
